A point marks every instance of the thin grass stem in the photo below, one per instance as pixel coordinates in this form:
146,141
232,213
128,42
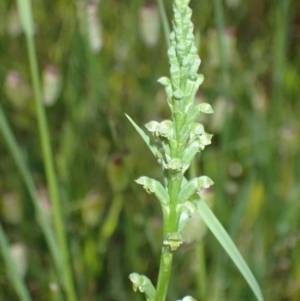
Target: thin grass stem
24,8
165,22
50,172
219,17
279,50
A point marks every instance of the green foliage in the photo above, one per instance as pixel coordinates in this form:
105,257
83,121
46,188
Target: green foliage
250,59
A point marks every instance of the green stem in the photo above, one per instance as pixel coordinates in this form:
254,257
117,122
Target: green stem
170,225
202,271
49,168
164,273
11,267
174,188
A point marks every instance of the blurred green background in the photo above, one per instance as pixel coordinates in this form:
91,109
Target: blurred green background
97,66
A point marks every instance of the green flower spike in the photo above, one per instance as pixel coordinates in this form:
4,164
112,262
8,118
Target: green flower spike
175,144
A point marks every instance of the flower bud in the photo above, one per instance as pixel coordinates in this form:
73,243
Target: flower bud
92,208
53,286
149,24
94,27
222,107
90,23
121,51
18,253
259,98
12,208
16,89
235,169
233,3
116,173
229,41
51,85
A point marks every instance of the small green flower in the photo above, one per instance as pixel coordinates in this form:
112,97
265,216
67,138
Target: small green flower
174,240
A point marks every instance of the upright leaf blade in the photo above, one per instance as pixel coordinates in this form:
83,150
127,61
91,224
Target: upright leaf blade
224,239
155,151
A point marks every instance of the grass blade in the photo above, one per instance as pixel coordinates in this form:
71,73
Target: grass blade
224,239
164,20
219,17
24,9
145,137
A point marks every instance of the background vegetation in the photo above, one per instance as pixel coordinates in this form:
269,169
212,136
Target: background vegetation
251,62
